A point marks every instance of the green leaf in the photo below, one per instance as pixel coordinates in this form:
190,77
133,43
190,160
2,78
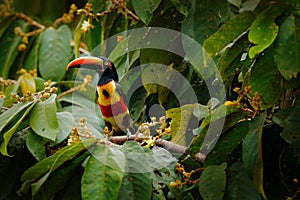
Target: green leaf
239,185
5,22
287,53
264,30
265,79
55,53
43,120
180,122
136,183
65,124
36,145
103,174
252,152
145,8
8,134
290,121
9,47
40,172
213,182
10,114
228,32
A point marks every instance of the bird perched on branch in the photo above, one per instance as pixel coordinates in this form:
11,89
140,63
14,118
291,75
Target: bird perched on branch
111,99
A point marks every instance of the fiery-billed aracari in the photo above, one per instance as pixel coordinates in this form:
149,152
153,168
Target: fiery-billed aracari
111,99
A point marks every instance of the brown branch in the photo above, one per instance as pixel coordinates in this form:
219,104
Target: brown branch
30,20
169,146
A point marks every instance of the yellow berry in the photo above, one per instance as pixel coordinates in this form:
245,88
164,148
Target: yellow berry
46,95
22,47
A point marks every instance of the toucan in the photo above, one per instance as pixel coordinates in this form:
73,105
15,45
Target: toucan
111,98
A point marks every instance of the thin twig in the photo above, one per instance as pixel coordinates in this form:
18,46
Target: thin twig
30,20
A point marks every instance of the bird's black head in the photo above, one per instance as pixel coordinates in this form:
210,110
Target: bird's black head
103,66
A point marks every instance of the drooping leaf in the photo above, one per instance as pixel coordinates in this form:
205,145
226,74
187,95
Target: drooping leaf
60,178
228,33
36,145
8,134
136,183
38,174
182,6
43,120
213,182
289,120
239,185
145,8
27,84
10,114
103,173
54,53
252,152
5,22
287,53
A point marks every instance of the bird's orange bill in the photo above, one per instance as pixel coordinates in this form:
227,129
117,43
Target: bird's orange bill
94,63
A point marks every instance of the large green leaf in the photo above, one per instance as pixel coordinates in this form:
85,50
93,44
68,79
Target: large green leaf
239,185
287,53
265,79
8,134
5,22
252,152
228,32
145,8
43,118
38,174
9,47
213,182
136,183
103,174
55,53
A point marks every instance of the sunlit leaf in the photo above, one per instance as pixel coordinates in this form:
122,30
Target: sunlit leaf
65,123
27,84
228,33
